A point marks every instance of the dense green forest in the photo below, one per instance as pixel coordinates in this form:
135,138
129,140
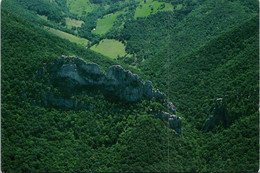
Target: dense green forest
195,51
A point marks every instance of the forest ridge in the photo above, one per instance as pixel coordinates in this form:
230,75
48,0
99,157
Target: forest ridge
202,54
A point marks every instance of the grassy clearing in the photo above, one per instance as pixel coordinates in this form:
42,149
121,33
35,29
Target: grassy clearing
42,17
151,7
80,7
179,6
104,24
70,37
110,48
72,22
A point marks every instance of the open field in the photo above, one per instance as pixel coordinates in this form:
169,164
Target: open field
110,48
151,7
104,24
43,17
80,6
70,37
72,22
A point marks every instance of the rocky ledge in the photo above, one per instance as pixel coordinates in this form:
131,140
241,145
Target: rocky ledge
73,75
174,122
218,115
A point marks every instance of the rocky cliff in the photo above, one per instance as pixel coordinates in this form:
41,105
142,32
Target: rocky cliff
174,121
218,115
73,75
221,114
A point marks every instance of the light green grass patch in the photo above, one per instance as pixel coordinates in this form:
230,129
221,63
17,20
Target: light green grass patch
106,23
151,7
179,6
106,7
72,22
110,48
80,6
70,37
42,17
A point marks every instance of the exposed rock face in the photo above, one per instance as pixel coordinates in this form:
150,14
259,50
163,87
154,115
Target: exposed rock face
71,72
54,100
218,115
148,89
72,75
125,85
174,121
57,101
171,108
128,86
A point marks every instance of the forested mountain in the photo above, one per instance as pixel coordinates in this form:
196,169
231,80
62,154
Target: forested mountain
71,107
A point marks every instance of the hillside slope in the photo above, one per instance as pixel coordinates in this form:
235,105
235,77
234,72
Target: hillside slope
227,65
117,136
39,138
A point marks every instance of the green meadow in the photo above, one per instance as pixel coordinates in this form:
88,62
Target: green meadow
70,37
80,6
72,22
151,7
110,48
42,17
104,24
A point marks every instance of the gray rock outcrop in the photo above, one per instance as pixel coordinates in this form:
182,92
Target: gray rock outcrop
55,100
171,108
218,115
174,121
73,75
71,72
